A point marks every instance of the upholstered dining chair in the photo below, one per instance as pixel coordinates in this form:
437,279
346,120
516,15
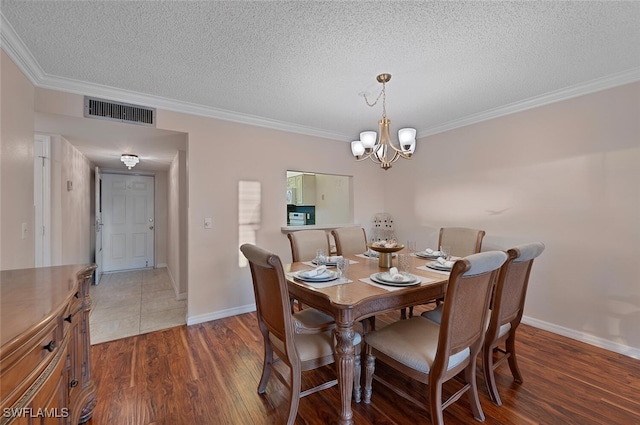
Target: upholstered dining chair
462,241
507,306
299,346
305,243
350,240
506,312
435,353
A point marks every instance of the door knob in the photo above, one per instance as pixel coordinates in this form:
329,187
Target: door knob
150,227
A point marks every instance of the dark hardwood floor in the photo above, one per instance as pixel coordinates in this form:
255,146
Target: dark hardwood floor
208,374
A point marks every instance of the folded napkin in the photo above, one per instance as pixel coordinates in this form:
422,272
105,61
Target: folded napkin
445,263
334,258
396,275
315,272
430,251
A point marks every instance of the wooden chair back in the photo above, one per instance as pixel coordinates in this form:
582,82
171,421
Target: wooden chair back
462,241
305,243
350,240
506,313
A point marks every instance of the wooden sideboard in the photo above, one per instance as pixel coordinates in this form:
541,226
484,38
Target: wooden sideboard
45,366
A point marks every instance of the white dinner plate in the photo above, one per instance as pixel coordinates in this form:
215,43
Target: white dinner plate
326,276
425,255
437,266
328,263
378,278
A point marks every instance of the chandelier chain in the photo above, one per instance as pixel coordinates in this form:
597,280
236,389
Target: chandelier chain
384,100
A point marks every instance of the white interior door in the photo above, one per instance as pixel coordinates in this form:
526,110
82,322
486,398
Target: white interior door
128,222
99,232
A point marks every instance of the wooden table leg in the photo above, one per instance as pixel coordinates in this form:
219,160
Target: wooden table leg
345,365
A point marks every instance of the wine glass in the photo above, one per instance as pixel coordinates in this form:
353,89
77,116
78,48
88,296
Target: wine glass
445,250
343,267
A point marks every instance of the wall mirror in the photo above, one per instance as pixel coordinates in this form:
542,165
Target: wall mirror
315,199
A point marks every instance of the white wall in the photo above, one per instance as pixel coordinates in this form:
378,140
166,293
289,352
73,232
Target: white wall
566,174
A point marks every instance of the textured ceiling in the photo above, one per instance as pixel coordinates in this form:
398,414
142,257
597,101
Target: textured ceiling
304,65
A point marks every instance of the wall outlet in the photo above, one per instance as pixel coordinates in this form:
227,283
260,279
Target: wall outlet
69,185
208,223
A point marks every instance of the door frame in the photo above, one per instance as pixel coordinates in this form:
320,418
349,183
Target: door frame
42,199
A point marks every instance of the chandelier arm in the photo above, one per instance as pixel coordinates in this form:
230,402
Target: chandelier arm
369,155
399,152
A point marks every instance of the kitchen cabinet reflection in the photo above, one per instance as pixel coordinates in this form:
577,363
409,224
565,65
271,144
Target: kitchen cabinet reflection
318,199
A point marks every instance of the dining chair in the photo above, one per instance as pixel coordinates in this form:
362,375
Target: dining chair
462,241
434,353
305,243
300,347
506,312
350,240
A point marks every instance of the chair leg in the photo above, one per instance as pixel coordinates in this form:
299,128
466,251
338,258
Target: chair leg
370,365
357,371
489,376
266,367
474,399
513,363
294,397
435,403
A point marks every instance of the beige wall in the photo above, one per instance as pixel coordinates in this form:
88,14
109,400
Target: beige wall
161,213
331,191
177,224
16,167
217,286
71,211
566,174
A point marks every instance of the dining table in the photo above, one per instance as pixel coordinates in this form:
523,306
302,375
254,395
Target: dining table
357,298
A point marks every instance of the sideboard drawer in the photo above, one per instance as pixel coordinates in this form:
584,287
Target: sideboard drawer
33,355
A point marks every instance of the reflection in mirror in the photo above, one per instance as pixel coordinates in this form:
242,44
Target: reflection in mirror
318,199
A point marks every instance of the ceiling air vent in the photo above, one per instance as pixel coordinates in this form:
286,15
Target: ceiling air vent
122,112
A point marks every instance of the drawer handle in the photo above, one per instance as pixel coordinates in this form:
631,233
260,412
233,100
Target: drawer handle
73,383
68,318
50,346
77,295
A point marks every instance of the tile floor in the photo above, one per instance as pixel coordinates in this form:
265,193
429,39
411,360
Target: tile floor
132,303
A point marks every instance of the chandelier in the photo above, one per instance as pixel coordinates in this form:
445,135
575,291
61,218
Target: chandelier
381,150
129,160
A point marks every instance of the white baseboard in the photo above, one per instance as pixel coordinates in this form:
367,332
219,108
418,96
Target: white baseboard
161,265
193,320
583,337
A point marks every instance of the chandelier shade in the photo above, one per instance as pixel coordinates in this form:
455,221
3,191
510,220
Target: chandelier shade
378,146
129,160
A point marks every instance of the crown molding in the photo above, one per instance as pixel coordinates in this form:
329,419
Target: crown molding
14,47
12,44
609,81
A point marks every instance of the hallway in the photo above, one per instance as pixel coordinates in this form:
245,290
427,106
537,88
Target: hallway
133,303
